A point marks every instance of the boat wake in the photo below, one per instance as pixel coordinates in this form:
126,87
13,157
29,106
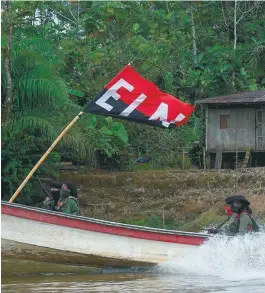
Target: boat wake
233,259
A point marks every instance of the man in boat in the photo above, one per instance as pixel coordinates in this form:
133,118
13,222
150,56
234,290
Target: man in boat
68,202
240,207
51,190
48,203
240,220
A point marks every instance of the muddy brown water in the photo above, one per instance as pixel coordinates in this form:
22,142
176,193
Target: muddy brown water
222,264
27,276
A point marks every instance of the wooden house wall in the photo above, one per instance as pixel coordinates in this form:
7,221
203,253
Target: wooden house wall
238,135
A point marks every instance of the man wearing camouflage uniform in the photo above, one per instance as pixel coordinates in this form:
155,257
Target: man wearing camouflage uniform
68,202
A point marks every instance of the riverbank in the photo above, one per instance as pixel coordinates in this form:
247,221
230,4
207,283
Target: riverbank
175,199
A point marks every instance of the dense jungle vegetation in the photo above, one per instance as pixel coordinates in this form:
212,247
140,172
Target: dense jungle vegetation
57,55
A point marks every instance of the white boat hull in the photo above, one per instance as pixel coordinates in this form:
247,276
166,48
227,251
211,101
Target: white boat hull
30,239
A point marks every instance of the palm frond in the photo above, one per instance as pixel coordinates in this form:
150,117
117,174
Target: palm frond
23,61
46,123
41,86
80,143
42,107
37,121
41,47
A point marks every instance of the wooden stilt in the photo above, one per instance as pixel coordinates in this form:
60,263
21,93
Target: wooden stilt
218,159
236,159
246,159
204,159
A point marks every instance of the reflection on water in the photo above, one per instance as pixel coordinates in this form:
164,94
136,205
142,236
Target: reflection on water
27,277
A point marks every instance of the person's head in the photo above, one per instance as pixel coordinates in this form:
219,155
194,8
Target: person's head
240,206
237,204
65,187
64,191
71,188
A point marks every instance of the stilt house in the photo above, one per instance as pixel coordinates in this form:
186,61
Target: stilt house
235,130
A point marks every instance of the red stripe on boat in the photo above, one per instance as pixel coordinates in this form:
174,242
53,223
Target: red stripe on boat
98,227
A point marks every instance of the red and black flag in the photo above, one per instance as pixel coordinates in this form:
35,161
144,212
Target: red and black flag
129,96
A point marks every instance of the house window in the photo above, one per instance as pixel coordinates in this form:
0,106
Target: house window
224,121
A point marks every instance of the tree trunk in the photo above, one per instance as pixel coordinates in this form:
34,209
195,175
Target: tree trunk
235,24
78,21
194,45
7,107
235,42
42,19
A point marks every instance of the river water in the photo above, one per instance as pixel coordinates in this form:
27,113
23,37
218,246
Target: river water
221,265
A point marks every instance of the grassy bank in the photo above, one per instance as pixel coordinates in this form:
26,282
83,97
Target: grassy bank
175,199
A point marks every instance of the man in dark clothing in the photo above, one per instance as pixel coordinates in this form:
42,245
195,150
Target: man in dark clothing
68,202
245,224
240,221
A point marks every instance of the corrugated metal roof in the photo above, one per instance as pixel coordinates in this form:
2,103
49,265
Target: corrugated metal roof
240,98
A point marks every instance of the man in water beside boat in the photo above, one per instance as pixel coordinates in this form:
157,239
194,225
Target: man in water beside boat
240,220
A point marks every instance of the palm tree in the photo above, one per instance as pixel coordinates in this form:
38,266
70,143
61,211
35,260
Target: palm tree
41,108
41,100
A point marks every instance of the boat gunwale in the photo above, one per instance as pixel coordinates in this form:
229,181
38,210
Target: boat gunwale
104,222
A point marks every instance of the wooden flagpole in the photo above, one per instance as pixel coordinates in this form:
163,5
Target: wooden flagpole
44,157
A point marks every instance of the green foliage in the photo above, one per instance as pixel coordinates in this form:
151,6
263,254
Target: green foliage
154,221
76,93
20,150
41,109
206,219
63,53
